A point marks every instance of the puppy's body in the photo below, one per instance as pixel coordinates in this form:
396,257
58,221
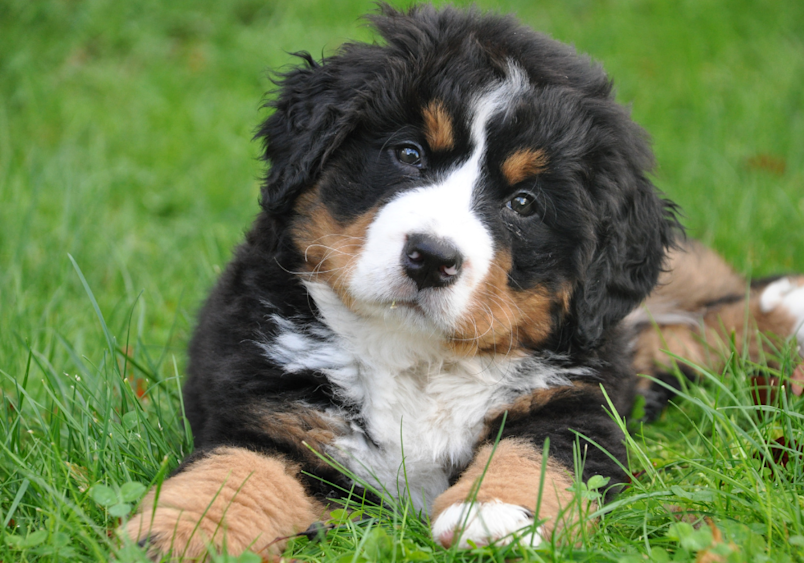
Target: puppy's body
455,228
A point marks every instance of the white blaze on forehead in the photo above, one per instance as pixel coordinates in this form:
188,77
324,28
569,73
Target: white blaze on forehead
444,210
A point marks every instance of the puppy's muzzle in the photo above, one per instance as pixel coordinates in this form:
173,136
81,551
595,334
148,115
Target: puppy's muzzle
430,261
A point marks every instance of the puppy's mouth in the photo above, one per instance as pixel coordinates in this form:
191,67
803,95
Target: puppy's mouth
430,309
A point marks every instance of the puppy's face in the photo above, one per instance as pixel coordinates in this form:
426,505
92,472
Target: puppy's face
471,188
449,219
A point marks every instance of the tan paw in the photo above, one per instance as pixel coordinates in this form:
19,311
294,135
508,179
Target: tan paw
233,499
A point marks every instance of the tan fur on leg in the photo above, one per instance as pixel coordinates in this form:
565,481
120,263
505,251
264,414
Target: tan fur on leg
512,477
699,305
233,497
744,323
709,343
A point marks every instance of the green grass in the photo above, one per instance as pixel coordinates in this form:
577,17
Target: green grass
125,143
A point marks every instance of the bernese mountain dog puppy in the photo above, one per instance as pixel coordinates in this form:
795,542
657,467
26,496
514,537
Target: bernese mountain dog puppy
456,234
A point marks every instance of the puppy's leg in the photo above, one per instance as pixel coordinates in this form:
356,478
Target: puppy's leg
505,500
231,497
507,497
699,307
784,299
776,309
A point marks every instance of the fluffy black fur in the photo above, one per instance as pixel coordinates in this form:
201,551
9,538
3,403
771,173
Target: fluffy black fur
601,228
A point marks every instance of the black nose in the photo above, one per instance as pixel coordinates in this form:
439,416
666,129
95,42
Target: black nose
430,261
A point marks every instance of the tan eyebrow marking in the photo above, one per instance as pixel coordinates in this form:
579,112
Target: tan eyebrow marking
524,163
438,126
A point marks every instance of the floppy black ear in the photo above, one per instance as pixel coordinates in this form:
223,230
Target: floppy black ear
635,226
315,108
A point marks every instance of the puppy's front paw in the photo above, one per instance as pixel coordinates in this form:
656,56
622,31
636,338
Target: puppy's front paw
170,532
787,293
229,499
485,522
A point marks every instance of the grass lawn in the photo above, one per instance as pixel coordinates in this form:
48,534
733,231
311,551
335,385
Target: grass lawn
127,175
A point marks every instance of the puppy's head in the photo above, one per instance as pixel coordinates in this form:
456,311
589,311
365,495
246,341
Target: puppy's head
468,178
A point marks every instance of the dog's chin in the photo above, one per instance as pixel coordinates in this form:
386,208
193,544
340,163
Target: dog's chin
418,312
397,302
410,315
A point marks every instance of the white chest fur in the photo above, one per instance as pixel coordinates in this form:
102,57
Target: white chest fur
418,403
428,416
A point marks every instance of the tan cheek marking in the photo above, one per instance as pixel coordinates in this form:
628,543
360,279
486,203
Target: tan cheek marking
500,319
523,164
438,127
330,249
236,496
513,477
536,321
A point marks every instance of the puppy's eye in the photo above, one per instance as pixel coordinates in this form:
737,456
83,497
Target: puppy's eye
523,203
410,155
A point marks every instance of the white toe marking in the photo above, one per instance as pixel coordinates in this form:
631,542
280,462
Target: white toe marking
773,295
486,522
788,294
